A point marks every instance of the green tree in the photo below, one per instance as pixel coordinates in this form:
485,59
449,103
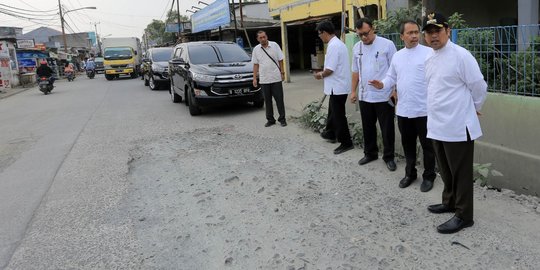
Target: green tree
155,31
391,24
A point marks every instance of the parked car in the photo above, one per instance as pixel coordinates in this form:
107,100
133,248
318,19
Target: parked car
207,73
155,67
99,65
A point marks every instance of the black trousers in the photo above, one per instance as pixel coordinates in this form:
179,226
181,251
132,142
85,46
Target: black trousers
455,161
410,129
371,112
336,123
273,90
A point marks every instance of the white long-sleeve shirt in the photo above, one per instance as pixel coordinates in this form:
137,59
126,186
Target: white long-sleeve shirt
456,91
407,71
372,62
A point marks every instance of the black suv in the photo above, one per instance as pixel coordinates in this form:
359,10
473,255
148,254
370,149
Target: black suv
154,67
208,73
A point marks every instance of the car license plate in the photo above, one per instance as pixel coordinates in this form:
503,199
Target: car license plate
239,91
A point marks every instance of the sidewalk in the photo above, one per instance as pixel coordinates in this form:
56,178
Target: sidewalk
6,92
304,89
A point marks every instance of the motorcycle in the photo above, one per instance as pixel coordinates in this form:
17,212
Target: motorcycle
70,76
45,85
91,73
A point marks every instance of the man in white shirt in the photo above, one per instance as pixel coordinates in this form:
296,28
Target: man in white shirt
456,93
371,59
337,78
265,58
407,71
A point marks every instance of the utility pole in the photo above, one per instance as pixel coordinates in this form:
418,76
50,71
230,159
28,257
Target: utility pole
97,38
241,14
178,17
63,31
235,25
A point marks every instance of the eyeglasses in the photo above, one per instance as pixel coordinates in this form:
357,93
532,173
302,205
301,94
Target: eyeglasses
365,34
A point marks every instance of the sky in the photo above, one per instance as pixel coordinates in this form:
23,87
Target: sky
117,18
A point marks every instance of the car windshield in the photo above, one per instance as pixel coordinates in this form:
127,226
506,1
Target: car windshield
117,53
206,54
98,59
232,53
162,55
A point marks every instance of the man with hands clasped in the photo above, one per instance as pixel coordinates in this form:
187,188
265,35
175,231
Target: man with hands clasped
407,70
370,61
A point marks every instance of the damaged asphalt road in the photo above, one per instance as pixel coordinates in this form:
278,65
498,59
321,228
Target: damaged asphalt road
146,186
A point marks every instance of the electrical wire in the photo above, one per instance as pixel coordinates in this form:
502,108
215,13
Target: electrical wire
28,10
161,17
25,14
23,17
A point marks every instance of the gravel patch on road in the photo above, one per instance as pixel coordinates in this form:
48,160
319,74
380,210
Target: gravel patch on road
224,198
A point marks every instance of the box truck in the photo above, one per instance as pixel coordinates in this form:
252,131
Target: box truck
122,56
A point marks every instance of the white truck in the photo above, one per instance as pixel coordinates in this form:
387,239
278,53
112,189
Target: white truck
122,56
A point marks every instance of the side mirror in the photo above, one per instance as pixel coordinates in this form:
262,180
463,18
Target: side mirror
177,61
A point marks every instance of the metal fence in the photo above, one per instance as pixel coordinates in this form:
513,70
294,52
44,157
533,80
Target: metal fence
508,56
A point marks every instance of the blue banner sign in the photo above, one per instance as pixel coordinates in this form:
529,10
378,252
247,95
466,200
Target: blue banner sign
211,17
172,28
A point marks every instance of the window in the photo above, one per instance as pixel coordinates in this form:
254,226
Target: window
161,55
232,53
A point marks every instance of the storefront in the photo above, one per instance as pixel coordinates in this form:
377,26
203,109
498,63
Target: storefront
302,47
9,74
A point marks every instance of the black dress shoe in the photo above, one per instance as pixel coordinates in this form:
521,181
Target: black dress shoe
343,148
440,208
406,181
426,186
269,123
283,123
391,165
454,225
366,160
327,135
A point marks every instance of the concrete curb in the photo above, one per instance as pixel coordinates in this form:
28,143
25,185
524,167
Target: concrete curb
14,91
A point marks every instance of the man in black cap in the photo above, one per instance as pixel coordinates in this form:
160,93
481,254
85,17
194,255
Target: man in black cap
456,91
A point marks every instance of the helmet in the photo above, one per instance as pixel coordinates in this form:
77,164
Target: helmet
43,62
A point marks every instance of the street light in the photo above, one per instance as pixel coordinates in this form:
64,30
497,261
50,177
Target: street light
62,21
201,2
187,10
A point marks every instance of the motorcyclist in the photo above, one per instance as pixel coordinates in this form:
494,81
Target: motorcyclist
45,71
68,70
90,65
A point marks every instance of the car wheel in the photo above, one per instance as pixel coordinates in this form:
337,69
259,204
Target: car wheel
176,98
193,109
109,77
152,83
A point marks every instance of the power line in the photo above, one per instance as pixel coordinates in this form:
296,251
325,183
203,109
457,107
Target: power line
25,14
23,17
28,10
161,17
28,4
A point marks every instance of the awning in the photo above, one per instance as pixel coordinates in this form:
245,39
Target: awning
312,19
